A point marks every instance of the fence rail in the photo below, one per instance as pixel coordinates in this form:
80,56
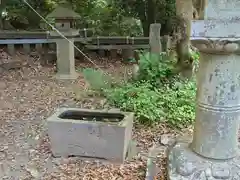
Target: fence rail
40,39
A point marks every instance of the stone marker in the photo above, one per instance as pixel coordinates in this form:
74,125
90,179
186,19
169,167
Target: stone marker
155,39
65,60
213,153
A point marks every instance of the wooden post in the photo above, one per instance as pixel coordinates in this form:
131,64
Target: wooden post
127,54
154,38
43,55
102,52
26,48
52,46
113,53
38,48
11,49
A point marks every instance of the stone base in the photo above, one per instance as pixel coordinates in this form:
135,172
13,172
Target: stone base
184,164
72,76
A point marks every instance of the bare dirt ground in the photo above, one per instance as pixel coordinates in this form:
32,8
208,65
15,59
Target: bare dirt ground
27,97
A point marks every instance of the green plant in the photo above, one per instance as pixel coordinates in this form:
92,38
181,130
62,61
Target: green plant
140,98
155,68
97,79
195,56
172,104
179,103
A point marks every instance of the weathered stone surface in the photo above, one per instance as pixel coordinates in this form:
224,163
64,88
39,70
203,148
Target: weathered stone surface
220,171
167,140
214,154
65,60
155,43
210,29
187,165
155,152
97,139
222,9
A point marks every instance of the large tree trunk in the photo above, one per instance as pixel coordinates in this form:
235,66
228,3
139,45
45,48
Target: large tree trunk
151,11
184,11
149,17
145,26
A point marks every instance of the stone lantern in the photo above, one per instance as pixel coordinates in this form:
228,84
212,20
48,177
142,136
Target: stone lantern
213,153
65,22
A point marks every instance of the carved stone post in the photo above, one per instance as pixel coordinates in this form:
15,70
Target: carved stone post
155,39
65,60
213,153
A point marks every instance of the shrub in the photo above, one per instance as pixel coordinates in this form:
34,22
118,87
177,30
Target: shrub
155,68
173,105
97,79
158,95
140,98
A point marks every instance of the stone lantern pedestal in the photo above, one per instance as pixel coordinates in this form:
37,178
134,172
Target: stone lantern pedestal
213,153
65,60
65,22
65,56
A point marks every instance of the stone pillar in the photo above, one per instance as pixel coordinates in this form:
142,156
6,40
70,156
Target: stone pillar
214,149
218,102
213,152
65,60
11,49
155,39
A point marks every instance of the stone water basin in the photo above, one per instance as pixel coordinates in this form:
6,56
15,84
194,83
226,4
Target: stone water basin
88,133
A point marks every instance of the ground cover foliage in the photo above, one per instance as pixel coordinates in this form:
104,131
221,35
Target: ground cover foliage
157,94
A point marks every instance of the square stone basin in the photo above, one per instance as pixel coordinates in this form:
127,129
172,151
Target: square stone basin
90,133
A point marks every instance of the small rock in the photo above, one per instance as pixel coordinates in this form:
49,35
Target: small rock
208,173
186,168
103,102
37,137
34,172
167,140
114,110
132,150
220,172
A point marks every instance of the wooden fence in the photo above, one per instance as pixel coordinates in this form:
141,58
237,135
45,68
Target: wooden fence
41,40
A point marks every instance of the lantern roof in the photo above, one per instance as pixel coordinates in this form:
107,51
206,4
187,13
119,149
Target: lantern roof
63,13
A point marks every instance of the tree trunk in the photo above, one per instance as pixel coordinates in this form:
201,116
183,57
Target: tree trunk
145,26
151,11
184,11
149,18
202,7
